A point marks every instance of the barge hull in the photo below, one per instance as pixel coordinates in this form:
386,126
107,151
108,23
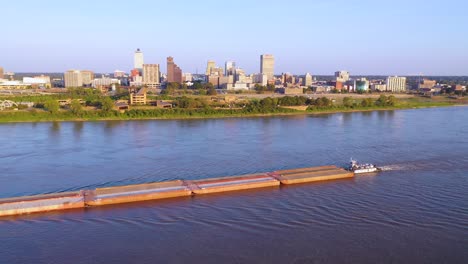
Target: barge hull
236,183
41,203
136,193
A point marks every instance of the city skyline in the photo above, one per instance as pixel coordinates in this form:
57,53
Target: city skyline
363,37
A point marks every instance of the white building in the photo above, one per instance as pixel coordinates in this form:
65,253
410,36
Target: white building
138,60
307,80
237,86
230,68
104,81
342,76
41,81
396,84
379,87
187,77
73,78
151,75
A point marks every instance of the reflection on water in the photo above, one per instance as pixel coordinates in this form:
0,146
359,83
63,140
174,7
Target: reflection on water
55,128
418,204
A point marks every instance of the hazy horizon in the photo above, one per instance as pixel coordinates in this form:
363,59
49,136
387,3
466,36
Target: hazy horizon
320,37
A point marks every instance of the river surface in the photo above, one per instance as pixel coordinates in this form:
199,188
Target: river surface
416,211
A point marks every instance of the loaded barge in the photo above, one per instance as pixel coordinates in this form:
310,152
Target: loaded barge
164,190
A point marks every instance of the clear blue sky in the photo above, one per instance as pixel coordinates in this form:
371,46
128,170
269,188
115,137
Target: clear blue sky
316,36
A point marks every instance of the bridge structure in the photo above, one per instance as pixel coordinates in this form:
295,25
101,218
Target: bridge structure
7,104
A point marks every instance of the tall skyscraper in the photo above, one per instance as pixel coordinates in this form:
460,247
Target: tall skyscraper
396,84
1,73
138,60
151,75
210,66
73,78
267,65
342,76
230,68
174,73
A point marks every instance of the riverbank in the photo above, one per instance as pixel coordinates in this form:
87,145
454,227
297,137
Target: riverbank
168,114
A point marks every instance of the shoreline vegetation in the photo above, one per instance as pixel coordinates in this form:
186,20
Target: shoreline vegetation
87,106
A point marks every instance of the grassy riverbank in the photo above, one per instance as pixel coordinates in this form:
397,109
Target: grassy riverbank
37,115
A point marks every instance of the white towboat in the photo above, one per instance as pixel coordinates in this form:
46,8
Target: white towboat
357,168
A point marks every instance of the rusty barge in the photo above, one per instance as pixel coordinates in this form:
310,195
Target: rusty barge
164,190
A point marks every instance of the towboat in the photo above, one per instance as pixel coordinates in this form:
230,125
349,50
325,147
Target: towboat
357,168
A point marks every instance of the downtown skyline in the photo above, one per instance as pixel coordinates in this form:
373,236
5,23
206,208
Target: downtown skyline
320,37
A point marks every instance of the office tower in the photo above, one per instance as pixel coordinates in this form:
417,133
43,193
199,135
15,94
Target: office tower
267,66
138,59
73,78
261,79
342,76
1,73
396,84
151,75
218,71
307,80
174,73
76,78
88,77
209,67
230,68
361,85
239,75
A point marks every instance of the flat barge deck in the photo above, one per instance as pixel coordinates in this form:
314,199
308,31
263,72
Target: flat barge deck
164,190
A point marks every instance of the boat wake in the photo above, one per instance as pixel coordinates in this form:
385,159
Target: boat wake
422,165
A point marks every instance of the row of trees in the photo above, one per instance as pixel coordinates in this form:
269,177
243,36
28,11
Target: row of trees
261,89
189,102
106,104
382,101
201,88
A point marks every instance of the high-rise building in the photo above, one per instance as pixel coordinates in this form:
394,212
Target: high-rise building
267,65
76,78
209,66
239,75
138,59
73,78
151,75
1,73
307,80
230,68
261,79
396,84
342,76
361,85
218,71
174,73
88,77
